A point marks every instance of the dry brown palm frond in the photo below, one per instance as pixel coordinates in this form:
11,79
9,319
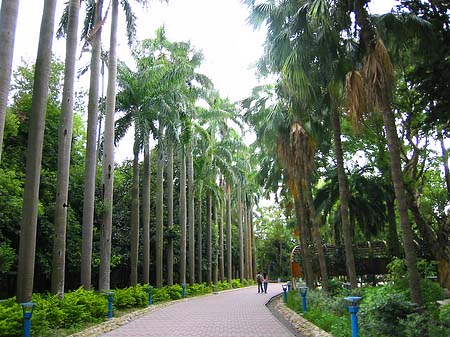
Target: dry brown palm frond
356,97
379,73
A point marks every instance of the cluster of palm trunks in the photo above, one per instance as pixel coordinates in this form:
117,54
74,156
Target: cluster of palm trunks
371,258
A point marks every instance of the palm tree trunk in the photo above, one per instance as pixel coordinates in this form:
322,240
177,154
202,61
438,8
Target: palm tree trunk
300,211
91,154
392,236
108,157
146,211
64,147
190,169
134,232
27,245
316,232
182,217
199,234
254,267
250,242
8,22
241,235
170,211
208,239
343,198
229,239
245,234
215,266
221,245
397,180
159,210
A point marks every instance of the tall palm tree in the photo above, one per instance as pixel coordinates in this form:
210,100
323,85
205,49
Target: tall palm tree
8,22
27,245
159,207
378,77
91,151
64,147
146,213
108,156
182,215
170,183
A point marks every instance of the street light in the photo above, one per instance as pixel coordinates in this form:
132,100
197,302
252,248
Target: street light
27,308
110,295
150,295
303,290
353,307
284,286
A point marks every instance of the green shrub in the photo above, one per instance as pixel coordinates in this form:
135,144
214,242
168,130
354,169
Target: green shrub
11,318
382,315
48,313
134,296
160,295
223,285
444,314
236,283
175,292
82,306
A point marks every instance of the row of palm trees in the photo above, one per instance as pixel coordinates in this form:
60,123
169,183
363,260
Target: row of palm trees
159,99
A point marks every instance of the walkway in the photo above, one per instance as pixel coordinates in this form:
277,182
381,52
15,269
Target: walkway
237,313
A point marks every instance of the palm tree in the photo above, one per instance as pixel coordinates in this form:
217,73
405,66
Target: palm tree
378,77
27,245
182,214
8,22
146,213
108,156
91,152
64,147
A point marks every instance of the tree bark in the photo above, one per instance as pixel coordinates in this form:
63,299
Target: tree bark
343,198
240,234
221,246
316,232
229,239
108,157
300,211
64,148
146,212
191,218
27,245
182,217
91,154
8,22
159,210
208,239
397,180
170,211
199,233
134,232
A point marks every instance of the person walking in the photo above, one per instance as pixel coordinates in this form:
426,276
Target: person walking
259,281
265,282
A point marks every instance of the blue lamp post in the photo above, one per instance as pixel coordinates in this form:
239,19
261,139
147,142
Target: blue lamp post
353,307
110,295
150,295
27,309
303,291
183,290
284,286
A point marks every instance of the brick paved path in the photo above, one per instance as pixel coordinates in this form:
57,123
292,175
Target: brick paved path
237,313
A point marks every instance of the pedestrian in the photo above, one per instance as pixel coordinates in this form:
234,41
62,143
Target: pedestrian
259,281
265,282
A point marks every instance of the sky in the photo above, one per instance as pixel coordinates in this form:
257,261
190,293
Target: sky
216,27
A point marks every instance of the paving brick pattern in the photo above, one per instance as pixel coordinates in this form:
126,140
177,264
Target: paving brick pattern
236,313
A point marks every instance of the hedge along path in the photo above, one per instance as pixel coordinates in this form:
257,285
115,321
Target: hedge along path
238,313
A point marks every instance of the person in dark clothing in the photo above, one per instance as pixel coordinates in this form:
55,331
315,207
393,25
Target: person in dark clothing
259,281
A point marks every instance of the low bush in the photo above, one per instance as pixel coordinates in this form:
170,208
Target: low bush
11,318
